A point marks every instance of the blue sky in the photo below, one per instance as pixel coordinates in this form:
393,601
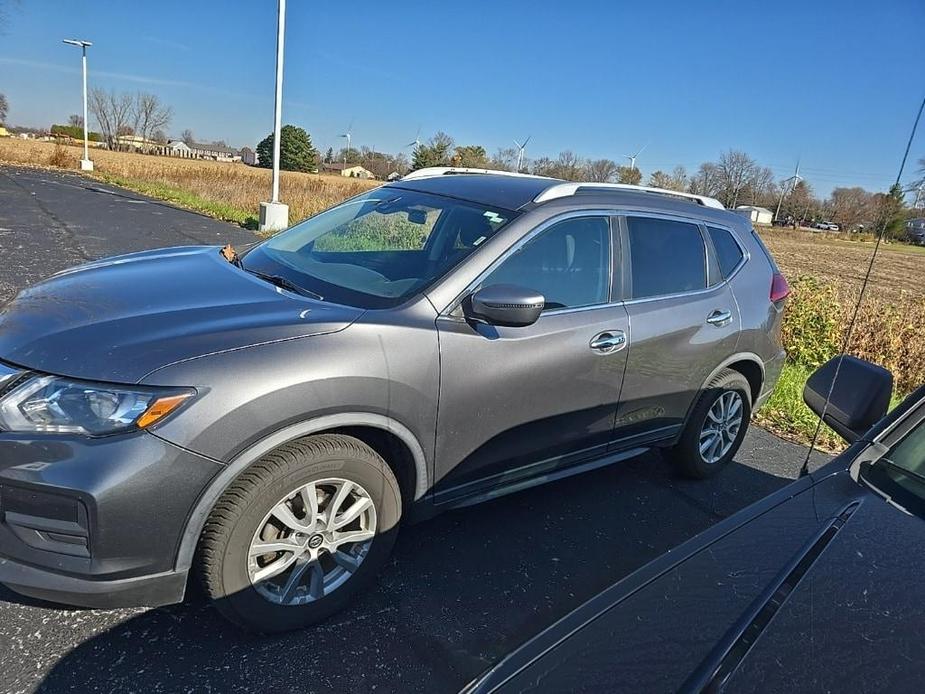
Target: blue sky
835,83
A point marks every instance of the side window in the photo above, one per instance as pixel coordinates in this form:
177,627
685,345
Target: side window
666,257
728,253
569,264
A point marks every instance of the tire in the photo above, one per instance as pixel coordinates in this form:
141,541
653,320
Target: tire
686,454
341,471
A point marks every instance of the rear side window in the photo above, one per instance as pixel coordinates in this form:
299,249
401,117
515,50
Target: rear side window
666,257
728,253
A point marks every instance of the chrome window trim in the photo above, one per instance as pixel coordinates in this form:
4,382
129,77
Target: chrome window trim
700,223
607,214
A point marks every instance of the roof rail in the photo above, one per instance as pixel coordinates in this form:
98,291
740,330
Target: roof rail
564,190
432,171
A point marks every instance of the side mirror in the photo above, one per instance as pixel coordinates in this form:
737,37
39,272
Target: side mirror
860,396
505,304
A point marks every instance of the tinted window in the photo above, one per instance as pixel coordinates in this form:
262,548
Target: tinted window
667,257
728,253
568,264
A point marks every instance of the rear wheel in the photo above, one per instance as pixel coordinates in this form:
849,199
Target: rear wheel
716,427
299,533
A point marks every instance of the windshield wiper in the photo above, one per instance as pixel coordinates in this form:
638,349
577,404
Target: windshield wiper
283,283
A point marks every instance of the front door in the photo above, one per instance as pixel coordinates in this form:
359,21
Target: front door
518,403
684,321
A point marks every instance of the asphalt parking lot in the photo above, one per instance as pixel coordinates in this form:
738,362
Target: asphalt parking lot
461,590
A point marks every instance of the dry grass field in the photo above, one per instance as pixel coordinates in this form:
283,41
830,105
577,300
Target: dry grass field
898,275
224,190
825,270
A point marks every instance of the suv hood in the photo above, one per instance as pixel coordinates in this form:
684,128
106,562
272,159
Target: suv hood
121,318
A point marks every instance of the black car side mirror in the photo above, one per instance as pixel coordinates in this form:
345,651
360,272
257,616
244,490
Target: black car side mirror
860,396
505,304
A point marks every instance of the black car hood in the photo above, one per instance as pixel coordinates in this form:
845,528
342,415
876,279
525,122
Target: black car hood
854,622
121,318
655,630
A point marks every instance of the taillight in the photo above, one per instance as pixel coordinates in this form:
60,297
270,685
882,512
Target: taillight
780,290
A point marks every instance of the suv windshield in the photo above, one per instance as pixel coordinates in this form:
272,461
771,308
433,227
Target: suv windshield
379,248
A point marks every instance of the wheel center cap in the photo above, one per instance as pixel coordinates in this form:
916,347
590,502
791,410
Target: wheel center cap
315,541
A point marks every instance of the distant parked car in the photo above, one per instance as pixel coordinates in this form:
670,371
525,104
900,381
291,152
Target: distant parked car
810,589
915,231
826,226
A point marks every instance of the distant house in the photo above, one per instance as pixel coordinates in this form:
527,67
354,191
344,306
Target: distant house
136,142
196,150
179,148
3,132
758,215
249,156
347,170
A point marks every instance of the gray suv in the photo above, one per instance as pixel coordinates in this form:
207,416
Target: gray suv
264,420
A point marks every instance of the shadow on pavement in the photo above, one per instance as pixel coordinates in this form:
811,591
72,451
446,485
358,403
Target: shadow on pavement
461,591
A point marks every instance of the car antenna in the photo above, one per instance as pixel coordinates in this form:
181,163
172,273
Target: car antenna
804,470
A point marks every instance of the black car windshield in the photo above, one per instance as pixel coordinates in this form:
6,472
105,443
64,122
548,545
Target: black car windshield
379,248
901,473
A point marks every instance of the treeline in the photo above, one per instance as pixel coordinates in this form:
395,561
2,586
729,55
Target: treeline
734,179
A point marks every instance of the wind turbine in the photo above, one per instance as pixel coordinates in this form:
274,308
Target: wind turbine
632,157
521,147
416,142
347,135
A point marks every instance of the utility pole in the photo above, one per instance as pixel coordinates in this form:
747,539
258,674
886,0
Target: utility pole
274,215
85,163
796,179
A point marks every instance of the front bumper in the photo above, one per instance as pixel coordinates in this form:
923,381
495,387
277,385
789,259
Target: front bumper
96,522
143,591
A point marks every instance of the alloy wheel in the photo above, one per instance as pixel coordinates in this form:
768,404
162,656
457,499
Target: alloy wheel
312,541
721,427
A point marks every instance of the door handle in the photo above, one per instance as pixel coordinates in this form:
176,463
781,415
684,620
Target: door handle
608,342
719,318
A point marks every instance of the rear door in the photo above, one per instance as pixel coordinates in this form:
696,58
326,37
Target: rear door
684,321
519,403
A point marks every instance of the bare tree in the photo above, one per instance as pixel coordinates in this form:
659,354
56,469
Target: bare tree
706,181
629,174
113,113
852,207
569,166
736,170
505,159
187,137
601,170
544,166
75,120
4,108
149,115
676,180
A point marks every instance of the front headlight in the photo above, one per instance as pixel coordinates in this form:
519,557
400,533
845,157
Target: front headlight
60,405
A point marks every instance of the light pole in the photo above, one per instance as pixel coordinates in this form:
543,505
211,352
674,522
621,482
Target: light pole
85,163
274,215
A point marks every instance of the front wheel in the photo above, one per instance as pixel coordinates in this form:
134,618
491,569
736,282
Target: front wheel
716,427
299,533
